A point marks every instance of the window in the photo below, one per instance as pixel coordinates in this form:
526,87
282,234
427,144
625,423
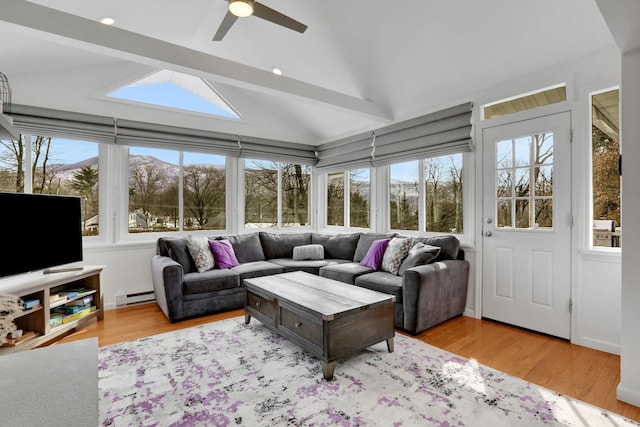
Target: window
58,166
204,191
276,194
403,195
525,102
441,184
524,182
443,194
605,139
355,187
155,192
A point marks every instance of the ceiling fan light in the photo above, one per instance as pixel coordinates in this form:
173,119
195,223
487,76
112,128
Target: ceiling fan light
241,8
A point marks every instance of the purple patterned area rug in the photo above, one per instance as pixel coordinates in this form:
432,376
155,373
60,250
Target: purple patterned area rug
230,374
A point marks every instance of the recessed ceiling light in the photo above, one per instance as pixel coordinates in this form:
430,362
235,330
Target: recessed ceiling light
107,20
277,71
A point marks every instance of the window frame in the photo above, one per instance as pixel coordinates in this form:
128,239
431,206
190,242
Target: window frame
241,202
590,219
347,200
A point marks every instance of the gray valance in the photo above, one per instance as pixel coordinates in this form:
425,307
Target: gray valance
440,133
93,128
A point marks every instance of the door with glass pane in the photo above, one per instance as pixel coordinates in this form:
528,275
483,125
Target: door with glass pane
527,224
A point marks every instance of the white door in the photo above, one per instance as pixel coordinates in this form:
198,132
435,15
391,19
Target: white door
527,224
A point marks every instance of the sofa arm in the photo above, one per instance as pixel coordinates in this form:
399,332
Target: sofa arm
434,293
167,276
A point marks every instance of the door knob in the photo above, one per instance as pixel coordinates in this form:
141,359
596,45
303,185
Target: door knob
487,234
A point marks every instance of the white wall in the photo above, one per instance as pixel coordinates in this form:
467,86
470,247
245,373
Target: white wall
629,388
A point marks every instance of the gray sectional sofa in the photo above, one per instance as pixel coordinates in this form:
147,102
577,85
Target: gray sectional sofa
426,294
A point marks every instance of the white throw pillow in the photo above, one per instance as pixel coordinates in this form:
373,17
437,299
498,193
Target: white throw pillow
201,253
308,252
395,253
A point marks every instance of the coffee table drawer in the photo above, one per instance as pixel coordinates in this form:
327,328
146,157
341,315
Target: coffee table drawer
261,304
302,325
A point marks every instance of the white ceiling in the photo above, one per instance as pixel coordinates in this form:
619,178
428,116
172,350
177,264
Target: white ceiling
360,65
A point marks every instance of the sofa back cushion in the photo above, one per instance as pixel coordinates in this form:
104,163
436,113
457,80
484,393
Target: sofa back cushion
247,247
176,249
337,246
365,241
449,245
281,245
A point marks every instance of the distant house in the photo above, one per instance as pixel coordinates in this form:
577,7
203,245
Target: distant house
91,223
137,220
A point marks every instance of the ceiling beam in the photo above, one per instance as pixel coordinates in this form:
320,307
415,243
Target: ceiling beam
76,31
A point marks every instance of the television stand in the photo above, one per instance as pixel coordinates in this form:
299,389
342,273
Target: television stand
61,270
60,303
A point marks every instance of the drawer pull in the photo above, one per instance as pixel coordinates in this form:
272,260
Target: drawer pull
257,303
298,324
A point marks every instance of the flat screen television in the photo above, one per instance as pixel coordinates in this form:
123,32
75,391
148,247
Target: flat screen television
47,232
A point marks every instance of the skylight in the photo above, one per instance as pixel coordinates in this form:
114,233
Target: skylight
180,91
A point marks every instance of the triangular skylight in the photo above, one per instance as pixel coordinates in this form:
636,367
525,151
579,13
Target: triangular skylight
175,90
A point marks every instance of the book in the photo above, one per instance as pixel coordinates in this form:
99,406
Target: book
30,303
71,309
72,317
82,301
68,294
54,298
55,320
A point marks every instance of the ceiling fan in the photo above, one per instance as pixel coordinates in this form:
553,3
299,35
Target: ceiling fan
244,8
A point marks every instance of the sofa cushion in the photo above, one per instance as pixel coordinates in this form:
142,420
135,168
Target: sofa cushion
281,245
340,246
381,281
223,253
248,270
308,266
345,272
247,247
395,253
176,249
449,245
419,254
374,255
211,280
365,241
201,253
308,252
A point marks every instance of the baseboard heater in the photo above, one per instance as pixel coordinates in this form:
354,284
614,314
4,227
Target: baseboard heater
134,298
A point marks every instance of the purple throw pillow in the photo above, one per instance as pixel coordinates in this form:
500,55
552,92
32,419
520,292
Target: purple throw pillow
374,255
223,253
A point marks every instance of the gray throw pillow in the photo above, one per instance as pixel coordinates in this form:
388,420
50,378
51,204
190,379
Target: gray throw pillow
308,252
365,241
178,251
395,253
419,254
247,247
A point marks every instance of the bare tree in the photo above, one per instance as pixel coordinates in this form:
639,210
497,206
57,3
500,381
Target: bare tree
144,185
204,194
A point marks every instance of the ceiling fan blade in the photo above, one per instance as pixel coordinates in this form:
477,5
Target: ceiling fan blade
226,23
268,14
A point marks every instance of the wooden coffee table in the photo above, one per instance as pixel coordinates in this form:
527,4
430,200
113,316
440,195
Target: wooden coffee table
330,319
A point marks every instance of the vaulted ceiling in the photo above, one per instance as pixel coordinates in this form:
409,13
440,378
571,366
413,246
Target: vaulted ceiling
360,65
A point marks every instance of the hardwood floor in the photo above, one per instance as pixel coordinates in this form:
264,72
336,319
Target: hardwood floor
579,372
